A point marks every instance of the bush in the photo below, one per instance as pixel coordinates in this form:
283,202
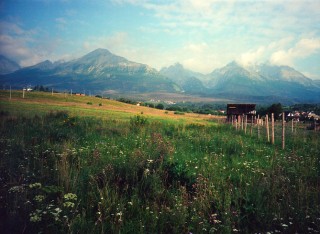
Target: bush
138,121
160,106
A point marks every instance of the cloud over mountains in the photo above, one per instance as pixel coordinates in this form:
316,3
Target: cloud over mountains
200,34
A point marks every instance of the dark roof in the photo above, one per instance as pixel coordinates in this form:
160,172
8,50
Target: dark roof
239,109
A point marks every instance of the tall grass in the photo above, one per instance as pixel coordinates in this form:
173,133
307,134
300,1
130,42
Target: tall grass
61,173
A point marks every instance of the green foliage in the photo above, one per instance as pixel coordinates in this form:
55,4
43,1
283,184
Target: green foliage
41,88
65,174
126,100
159,106
138,122
275,108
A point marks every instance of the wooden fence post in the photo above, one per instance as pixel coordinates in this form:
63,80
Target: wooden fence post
242,117
272,128
267,127
258,122
251,125
245,124
10,92
283,130
292,125
23,93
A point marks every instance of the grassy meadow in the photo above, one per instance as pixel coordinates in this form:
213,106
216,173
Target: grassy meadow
71,164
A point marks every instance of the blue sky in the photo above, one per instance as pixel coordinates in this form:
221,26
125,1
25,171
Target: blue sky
200,34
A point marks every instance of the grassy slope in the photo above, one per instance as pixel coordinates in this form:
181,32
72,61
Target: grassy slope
41,103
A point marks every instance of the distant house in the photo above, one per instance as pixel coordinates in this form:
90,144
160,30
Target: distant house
80,94
236,110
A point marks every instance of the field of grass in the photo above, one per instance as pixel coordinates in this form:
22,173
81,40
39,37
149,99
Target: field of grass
70,165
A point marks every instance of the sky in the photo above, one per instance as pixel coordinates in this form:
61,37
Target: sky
202,35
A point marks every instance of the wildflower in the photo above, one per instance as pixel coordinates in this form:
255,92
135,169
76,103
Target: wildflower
35,185
68,204
58,210
35,216
16,189
39,198
70,196
146,172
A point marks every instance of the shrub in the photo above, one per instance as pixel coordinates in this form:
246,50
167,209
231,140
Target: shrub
138,121
160,106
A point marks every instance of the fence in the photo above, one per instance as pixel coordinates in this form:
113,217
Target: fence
266,128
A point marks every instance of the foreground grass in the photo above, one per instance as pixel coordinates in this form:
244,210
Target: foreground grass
79,174
112,172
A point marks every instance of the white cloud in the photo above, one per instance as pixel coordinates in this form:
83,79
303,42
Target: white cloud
302,49
252,57
25,46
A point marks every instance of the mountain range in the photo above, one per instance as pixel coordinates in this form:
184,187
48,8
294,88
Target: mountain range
103,72
7,66
99,71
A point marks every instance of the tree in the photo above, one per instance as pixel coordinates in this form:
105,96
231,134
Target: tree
276,109
160,106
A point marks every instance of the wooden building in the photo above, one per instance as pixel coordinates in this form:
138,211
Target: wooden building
235,110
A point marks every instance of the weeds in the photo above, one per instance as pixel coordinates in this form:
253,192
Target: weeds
66,174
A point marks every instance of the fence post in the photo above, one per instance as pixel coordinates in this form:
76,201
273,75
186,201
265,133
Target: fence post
245,124
272,128
258,122
251,125
10,92
23,93
267,127
242,117
283,130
